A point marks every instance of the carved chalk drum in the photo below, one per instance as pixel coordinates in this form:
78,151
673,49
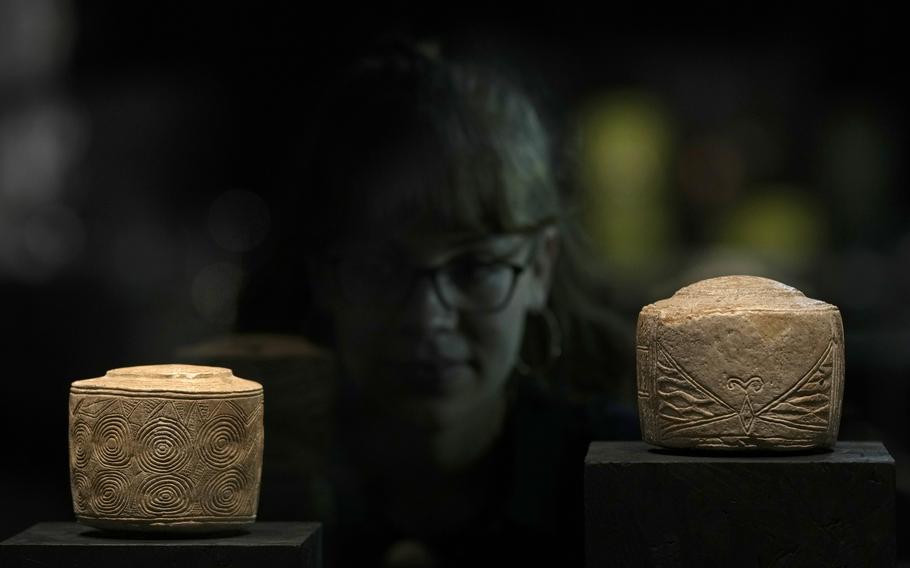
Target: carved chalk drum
166,448
740,363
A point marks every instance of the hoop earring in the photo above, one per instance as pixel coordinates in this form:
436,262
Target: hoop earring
553,349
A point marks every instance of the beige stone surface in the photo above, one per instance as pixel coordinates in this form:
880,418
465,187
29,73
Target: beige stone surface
166,448
740,363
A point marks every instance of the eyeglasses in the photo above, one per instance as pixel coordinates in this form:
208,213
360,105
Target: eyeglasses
464,283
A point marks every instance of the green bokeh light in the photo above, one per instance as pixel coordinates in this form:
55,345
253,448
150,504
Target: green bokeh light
781,224
625,150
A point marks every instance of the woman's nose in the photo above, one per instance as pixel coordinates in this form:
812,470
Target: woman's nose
424,308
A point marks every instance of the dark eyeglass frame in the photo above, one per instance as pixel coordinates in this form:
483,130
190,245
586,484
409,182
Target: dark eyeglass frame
433,273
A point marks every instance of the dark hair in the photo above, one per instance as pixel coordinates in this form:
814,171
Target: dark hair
409,140
406,137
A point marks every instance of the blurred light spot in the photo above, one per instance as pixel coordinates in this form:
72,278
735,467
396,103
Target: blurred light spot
215,291
37,148
238,220
780,224
35,39
38,245
624,164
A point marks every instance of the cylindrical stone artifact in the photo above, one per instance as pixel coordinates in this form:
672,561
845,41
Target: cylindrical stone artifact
175,448
740,363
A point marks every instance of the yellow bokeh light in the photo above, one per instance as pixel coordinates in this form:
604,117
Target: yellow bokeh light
625,147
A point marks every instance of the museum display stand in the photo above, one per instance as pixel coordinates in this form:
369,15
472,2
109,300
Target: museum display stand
261,544
647,506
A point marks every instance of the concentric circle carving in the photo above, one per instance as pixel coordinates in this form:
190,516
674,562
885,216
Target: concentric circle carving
164,445
164,495
111,441
81,492
109,492
80,444
221,440
224,493
165,462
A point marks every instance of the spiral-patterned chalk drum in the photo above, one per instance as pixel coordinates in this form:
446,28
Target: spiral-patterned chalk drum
166,448
164,445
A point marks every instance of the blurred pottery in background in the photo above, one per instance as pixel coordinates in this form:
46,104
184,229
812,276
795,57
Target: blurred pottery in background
740,363
175,448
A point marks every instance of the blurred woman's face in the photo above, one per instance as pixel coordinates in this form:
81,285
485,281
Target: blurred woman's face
428,325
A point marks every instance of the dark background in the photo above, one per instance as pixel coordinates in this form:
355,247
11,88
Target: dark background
140,145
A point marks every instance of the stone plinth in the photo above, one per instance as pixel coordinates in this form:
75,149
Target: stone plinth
73,545
646,506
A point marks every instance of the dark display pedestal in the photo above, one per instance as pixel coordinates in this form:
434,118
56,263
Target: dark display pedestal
74,545
650,507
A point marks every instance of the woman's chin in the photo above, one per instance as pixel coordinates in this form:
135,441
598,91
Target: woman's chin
452,400
434,382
